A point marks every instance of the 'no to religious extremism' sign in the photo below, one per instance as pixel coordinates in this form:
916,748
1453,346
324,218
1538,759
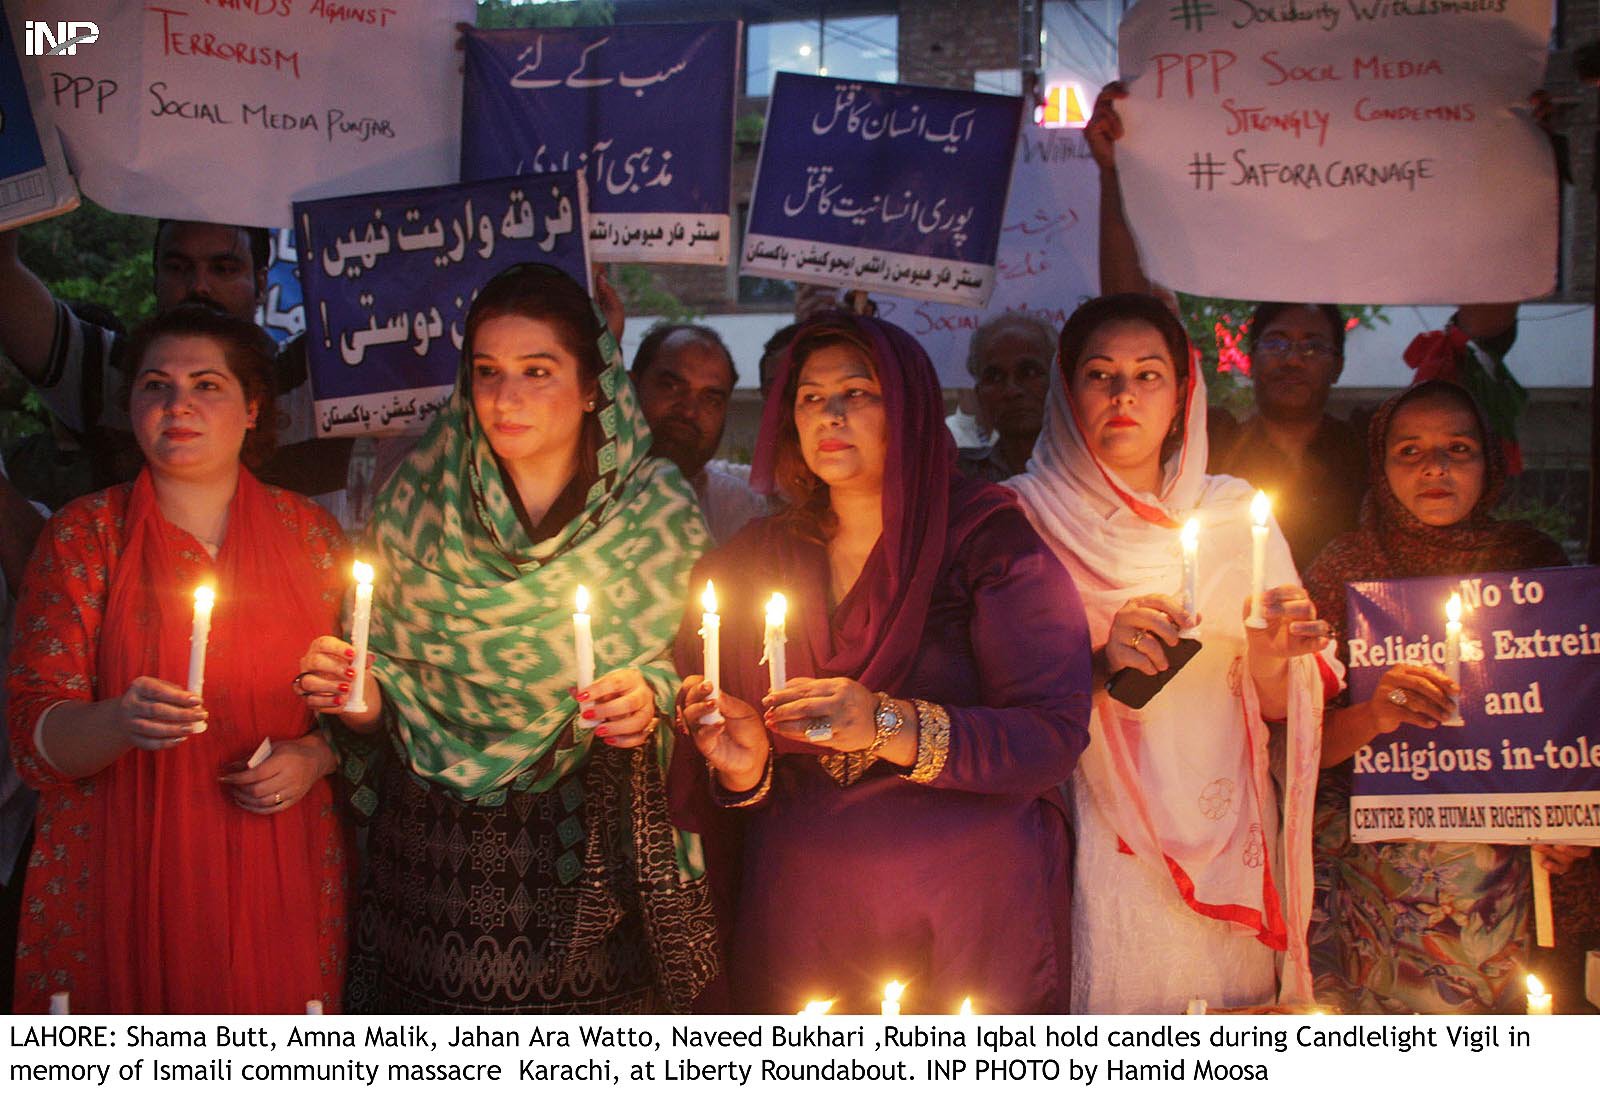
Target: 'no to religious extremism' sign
644,110
1375,151
388,280
1525,765
211,112
882,187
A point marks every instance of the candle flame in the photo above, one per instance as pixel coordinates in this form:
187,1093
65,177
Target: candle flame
1189,536
583,599
1452,609
1260,509
893,990
777,609
204,597
362,570
818,1006
708,598
1535,985
966,1006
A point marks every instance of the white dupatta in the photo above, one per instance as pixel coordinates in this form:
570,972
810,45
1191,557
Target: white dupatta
1185,781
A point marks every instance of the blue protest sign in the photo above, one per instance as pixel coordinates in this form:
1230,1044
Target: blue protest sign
388,279
283,313
882,187
34,182
645,111
1525,765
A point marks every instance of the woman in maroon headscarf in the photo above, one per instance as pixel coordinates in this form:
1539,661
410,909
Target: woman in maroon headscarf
898,797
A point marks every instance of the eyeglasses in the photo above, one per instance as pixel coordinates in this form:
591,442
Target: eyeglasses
1281,346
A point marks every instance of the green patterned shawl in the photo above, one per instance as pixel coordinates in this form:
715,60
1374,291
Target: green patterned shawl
472,621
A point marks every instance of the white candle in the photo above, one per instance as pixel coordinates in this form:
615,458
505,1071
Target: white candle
891,997
199,635
1539,1000
1452,656
1544,925
772,644
1189,539
60,1003
711,631
1260,512
583,638
313,1006
361,622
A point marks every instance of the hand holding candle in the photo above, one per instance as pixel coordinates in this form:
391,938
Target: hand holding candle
361,622
1260,515
711,632
199,637
772,645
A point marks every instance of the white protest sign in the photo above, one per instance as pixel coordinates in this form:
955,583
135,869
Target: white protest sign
1048,263
230,112
1339,150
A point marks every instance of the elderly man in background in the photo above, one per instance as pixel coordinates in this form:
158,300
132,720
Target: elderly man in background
1009,360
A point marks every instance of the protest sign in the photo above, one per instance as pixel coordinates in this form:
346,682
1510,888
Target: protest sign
229,112
1365,151
34,181
388,280
1525,766
882,187
1048,261
645,110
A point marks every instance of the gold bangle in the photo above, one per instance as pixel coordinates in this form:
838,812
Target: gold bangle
748,799
933,742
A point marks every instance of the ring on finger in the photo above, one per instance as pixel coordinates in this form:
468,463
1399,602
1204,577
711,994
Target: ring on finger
819,730
295,684
1398,697
1138,638
277,798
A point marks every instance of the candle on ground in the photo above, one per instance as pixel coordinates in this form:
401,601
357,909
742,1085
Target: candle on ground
1189,539
711,631
1539,1000
360,623
584,639
1260,513
772,644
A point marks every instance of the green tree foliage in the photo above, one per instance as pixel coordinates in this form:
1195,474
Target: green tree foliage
499,14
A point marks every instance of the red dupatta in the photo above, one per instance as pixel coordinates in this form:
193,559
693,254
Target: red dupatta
203,907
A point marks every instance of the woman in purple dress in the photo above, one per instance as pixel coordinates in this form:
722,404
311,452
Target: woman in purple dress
891,813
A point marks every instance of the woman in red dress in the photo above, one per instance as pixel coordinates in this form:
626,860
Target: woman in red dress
167,875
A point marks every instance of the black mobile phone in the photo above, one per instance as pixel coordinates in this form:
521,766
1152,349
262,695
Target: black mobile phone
1134,688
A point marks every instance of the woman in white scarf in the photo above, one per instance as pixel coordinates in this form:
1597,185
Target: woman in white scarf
1187,885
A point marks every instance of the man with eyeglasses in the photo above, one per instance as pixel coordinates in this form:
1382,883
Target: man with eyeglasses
1312,465
1009,360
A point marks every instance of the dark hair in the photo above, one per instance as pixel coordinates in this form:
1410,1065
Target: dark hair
1268,311
250,353
1440,391
775,345
260,241
661,331
810,509
537,291
1031,322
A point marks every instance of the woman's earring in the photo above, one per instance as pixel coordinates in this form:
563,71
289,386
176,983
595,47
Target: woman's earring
589,407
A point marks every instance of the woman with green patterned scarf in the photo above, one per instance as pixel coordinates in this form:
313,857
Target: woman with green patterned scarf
521,857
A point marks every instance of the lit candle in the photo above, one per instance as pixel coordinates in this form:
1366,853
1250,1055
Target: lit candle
60,1002
966,1006
817,1006
1544,925
1539,1000
891,997
711,631
1452,656
584,639
772,645
1260,512
360,622
1189,538
199,635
